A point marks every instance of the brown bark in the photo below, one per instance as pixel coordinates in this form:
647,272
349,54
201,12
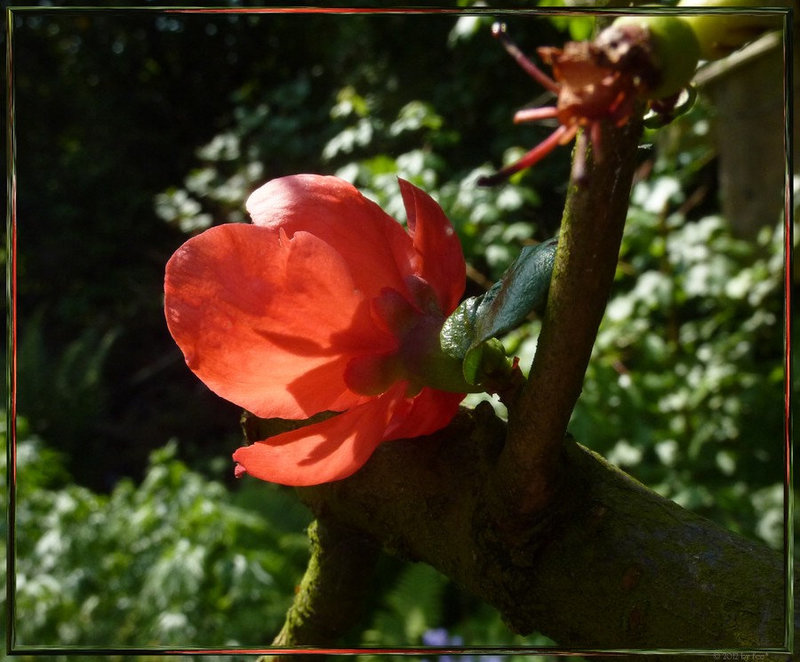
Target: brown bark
331,595
609,564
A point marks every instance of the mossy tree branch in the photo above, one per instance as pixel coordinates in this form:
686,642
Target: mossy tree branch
612,565
331,595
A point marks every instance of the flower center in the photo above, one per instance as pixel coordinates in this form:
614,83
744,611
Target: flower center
418,358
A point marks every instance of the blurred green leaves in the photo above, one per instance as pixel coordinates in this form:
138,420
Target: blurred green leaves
173,560
685,386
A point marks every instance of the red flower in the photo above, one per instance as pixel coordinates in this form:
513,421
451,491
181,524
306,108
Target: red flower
325,303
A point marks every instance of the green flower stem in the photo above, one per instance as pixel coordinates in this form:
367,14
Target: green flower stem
331,596
583,273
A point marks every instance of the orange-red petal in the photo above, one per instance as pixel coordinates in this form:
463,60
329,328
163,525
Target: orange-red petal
376,246
429,411
255,312
322,452
440,260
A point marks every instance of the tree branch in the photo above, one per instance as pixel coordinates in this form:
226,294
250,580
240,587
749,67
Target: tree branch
331,595
585,262
555,538
613,565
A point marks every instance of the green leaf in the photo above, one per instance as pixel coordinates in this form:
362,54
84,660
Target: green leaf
485,360
522,289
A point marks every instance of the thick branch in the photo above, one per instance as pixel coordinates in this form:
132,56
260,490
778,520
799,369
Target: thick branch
586,259
613,566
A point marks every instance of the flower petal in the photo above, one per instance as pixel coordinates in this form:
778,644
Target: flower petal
372,242
255,312
440,257
322,452
429,411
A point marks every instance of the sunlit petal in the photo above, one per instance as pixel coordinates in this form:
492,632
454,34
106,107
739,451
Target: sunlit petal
322,452
429,411
254,311
439,255
375,246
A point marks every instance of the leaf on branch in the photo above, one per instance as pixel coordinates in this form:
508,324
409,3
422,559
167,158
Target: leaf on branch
468,332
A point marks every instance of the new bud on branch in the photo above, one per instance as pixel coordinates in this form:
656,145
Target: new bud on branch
324,303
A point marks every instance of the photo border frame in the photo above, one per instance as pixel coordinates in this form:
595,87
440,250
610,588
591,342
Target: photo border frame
12,648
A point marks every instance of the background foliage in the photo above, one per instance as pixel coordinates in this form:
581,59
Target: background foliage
135,130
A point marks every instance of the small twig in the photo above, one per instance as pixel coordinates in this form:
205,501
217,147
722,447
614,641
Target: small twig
717,69
478,277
